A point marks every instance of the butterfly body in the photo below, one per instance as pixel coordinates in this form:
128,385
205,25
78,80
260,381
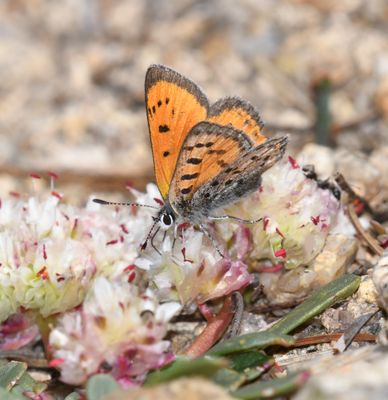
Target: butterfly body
205,157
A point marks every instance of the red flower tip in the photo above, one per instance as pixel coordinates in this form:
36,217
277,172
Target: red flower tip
130,267
131,276
56,194
281,253
304,376
275,268
44,252
52,175
316,220
129,184
55,362
114,241
265,223
384,242
124,229
293,162
35,176
184,225
158,201
359,207
42,273
14,194
184,256
278,231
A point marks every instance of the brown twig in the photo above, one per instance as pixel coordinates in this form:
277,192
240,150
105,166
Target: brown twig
29,357
213,331
351,332
330,337
368,239
344,185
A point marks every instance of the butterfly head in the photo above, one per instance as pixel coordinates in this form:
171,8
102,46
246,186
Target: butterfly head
166,217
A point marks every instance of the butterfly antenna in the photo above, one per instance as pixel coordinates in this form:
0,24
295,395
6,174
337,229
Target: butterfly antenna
111,203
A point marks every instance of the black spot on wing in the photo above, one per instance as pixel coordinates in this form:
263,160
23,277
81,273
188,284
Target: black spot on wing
194,161
186,190
222,163
163,128
188,177
220,152
159,103
166,153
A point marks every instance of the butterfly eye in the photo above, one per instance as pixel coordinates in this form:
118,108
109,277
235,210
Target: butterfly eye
166,221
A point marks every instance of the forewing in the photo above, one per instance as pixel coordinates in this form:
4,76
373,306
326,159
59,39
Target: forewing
208,149
174,105
240,114
241,178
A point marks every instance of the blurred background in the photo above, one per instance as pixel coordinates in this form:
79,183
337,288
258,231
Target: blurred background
72,80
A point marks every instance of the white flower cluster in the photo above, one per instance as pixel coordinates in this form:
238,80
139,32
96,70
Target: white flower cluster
112,326
296,215
50,252
84,265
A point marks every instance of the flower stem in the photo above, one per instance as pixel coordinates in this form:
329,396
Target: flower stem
213,331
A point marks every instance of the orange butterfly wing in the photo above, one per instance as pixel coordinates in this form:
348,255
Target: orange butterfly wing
240,114
174,105
208,149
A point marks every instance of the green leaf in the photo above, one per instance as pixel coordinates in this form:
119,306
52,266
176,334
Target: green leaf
185,366
275,387
319,301
73,396
244,367
10,373
228,378
99,386
256,340
250,359
27,384
252,364
5,395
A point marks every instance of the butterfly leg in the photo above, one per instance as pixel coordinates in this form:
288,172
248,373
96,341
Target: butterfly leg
243,221
212,239
152,240
175,237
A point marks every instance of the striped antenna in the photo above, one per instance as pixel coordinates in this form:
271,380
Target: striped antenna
111,203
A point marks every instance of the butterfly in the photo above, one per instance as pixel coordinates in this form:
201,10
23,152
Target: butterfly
205,157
